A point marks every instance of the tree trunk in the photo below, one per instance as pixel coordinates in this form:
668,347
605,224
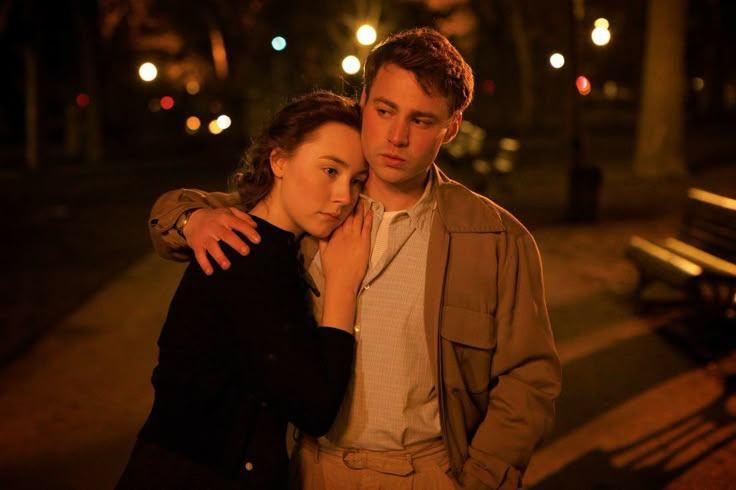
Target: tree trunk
33,119
525,66
93,112
660,148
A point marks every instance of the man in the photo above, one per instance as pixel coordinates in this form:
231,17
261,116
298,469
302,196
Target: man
456,370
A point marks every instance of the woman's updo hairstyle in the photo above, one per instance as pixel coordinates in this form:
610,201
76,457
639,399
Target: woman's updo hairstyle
291,127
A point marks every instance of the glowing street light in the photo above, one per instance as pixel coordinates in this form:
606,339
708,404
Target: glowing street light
601,35
278,43
366,35
214,127
351,65
223,122
557,60
193,124
147,71
193,87
583,85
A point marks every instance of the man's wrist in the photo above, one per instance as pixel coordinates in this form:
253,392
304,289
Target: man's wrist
182,221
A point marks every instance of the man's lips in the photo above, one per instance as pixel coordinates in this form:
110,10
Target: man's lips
393,159
335,216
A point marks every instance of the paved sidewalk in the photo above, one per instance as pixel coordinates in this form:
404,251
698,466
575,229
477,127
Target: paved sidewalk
71,407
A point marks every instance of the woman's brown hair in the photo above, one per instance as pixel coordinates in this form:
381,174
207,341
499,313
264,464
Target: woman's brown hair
291,126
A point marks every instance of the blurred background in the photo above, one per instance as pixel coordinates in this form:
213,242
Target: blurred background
591,119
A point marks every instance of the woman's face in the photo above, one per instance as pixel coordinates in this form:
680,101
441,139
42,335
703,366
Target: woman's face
317,186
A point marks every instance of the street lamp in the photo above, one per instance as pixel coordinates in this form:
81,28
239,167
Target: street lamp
366,35
278,43
351,65
557,60
147,71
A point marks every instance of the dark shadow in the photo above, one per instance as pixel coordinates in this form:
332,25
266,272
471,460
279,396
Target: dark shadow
595,470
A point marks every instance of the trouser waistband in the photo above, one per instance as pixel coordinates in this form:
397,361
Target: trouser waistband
399,463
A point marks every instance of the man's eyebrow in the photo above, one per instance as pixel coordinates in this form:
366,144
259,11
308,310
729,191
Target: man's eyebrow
394,106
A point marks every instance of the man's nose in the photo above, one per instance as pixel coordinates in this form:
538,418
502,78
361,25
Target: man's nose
399,134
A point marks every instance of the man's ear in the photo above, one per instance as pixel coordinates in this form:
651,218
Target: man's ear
278,162
363,100
453,128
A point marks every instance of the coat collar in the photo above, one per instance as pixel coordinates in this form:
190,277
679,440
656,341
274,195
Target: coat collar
463,211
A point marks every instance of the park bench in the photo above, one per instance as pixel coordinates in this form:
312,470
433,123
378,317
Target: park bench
700,261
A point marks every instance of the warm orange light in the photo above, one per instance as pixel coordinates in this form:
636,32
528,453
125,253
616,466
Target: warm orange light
193,123
193,87
167,102
213,127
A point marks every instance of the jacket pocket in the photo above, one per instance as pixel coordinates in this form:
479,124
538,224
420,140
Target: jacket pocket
468,343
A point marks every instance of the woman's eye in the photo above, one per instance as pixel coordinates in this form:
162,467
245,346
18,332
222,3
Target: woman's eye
330,171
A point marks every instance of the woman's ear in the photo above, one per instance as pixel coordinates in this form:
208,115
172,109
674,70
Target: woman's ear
277,163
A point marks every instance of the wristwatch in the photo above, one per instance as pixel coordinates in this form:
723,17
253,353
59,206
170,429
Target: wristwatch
182,221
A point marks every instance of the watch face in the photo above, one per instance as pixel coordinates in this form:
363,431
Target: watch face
181,222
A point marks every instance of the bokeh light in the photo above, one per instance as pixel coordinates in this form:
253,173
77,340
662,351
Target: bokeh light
351,65
148,71
698,84
193,124
193,87
601,36
224,121
610,90
601,22
583,85
557,60
167,102
366,35
214,127
82,100
278,43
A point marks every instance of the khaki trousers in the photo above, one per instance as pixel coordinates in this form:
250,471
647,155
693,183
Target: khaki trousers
422,467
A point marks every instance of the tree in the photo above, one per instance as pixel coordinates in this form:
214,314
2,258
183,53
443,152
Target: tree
660,148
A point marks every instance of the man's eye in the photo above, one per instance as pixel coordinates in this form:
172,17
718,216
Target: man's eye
330,171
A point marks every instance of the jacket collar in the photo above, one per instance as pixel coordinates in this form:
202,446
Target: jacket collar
463,211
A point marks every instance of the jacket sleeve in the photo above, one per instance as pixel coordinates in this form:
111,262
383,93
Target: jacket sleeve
526,370
167,209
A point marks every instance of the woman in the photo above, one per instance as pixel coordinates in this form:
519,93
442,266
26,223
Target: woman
240,352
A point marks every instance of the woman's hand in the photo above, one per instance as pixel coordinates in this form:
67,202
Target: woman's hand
344,255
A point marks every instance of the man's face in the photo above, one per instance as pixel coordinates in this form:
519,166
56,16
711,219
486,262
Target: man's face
403,129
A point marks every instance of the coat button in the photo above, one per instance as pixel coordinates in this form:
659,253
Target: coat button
248,466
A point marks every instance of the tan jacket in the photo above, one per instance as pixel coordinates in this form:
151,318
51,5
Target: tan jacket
490,341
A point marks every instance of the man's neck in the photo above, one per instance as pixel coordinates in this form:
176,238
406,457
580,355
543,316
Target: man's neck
395,197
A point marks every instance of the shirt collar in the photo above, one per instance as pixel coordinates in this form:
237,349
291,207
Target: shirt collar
420,213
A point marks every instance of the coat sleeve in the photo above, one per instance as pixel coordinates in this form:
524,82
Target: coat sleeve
167,209
527,373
